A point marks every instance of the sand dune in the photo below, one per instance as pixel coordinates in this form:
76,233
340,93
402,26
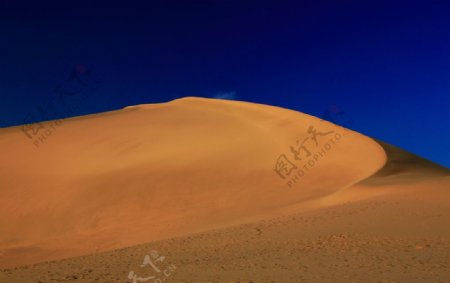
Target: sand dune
226,191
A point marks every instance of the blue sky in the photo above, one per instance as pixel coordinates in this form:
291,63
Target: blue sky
385,64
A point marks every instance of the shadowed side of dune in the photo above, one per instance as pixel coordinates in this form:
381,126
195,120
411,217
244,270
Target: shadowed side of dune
402,166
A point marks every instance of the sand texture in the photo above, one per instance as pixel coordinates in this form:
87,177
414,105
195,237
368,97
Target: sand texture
217,191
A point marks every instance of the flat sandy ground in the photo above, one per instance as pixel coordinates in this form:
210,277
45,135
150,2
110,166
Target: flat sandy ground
192,184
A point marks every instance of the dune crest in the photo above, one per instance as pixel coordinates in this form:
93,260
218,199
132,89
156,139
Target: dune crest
153,172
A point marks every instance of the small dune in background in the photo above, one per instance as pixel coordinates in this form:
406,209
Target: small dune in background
218,191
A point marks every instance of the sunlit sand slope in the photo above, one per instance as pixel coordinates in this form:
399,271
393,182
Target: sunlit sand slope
392,227
151,172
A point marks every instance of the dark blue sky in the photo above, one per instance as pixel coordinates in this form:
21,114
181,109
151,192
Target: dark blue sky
385,64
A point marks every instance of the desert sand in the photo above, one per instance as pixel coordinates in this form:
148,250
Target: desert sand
224,191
